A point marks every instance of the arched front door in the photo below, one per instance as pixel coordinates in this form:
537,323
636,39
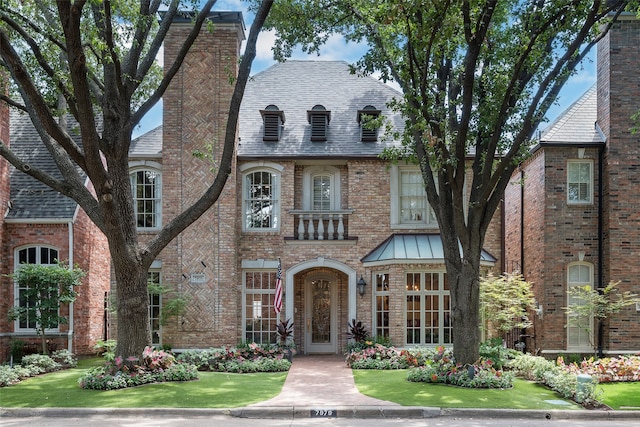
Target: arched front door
321,314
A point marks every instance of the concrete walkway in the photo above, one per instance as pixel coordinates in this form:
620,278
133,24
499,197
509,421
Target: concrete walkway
321,381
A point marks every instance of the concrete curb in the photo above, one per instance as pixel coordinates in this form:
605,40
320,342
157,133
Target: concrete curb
346,411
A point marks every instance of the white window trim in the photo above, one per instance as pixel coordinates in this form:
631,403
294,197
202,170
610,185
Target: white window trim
261,266
581,347
591,183
441,293
16,288
142,165
375,294
156,268
307,185
270,167
394,181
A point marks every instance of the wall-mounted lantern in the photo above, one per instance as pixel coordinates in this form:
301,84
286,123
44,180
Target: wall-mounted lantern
361,285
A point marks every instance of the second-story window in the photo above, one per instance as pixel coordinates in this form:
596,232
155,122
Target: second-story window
322,192
579,181
321,186
409,207
147,201
261,204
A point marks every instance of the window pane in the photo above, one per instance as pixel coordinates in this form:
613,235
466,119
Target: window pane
145,185
321,193
260,200
579,186
428,309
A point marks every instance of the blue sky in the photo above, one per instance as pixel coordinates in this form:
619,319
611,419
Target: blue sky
337,49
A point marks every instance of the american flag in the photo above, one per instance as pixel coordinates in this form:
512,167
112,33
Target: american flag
277,302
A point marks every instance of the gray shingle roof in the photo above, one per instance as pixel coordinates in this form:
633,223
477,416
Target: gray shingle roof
31,199
148,145
576,124
296,87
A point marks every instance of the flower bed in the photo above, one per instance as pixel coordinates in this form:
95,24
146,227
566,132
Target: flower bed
36,364
429,365
155,366
242,359
607,369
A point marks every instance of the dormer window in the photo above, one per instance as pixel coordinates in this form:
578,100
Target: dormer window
368,133
319,119
273,123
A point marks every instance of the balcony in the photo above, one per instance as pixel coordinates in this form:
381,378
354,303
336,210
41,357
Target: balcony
321,225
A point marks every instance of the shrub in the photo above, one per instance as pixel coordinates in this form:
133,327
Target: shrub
40,363
250,357
65,358
555,375
155,366
8,375
494,350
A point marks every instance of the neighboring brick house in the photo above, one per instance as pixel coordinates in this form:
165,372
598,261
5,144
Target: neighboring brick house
574,220
38,225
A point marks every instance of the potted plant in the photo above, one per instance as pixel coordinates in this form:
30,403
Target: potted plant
284,330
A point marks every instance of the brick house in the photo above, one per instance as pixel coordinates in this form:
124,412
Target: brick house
308,190
38,225
309,193
574,220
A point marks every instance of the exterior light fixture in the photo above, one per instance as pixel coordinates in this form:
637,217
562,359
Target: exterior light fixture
361,285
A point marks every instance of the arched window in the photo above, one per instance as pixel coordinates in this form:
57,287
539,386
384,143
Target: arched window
321,188
261,197
43,255
579,330
146,184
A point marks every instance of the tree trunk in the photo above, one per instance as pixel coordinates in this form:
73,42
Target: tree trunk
132,302
45,347
465,312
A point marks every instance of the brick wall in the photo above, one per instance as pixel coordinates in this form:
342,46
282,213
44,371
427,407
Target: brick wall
195,117
619,99
90,254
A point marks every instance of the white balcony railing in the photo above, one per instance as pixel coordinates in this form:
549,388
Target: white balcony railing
321,225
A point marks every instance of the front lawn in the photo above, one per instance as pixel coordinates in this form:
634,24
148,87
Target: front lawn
392,385
625,395
213,390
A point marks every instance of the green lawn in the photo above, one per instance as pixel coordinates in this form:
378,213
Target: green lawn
393,386
212,390
222,390
621,395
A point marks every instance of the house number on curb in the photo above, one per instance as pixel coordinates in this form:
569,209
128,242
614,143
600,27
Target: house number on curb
324,413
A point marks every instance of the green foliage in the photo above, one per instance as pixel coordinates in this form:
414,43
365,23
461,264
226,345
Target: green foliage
608,369
36,364
244,358
505,301
45,288
556,376
285,331
378,356
106,348
496,352
357,331
173,304
588,303
442,368
154,366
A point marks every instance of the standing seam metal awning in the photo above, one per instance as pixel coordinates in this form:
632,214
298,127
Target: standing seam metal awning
414,247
